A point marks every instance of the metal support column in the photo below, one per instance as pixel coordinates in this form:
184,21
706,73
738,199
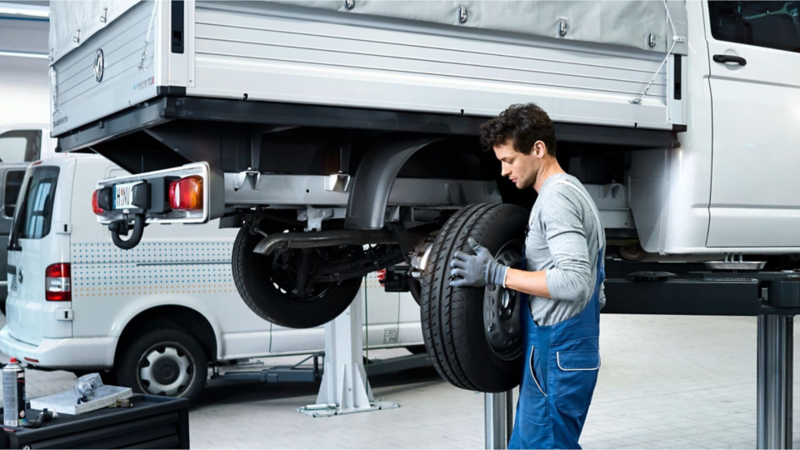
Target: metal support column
498,419
345,389
775,345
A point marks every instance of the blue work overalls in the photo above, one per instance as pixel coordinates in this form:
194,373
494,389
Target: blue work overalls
560,373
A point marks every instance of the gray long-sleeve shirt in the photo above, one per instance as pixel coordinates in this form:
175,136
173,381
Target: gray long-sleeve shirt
563,241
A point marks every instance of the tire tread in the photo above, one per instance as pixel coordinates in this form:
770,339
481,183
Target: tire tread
444,309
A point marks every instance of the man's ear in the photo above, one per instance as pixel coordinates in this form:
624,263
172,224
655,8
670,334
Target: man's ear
539,149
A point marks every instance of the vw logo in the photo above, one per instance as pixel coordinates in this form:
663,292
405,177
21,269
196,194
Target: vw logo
19,277
99,66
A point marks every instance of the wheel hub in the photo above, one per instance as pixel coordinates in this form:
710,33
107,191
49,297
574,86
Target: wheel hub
501,316
165,370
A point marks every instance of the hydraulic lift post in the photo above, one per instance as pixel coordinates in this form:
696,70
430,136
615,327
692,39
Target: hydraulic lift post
345,388
498,418
772,297
343,373
775,358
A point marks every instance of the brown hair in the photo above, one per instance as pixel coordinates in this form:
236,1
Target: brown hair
523,125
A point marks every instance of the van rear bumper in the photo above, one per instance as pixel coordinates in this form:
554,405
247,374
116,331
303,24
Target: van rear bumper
66,353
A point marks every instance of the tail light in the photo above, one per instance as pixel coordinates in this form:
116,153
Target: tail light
382,277
186,194
101,200
95,207
57,283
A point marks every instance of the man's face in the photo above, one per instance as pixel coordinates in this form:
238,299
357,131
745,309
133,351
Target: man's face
519,168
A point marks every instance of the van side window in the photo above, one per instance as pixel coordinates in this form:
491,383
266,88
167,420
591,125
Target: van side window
37,207
11,191
761,23
20,146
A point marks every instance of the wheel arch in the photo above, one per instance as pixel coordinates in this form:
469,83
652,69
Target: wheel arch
375,177
415,156
173,316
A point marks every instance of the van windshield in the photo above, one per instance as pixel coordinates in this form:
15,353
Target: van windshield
35,207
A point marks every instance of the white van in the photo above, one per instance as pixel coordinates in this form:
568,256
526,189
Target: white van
20,144
156,315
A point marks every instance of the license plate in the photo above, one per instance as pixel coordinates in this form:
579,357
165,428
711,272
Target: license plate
123,195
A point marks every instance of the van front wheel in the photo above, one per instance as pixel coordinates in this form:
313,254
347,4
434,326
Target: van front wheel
167,362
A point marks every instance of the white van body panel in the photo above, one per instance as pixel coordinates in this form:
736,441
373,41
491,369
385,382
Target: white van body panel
408,328
688,178
184,266
730,187
61,353
31,318
756,138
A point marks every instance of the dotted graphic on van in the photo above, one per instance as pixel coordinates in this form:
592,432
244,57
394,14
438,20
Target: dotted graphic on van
103,270
151,268
153,252
371,281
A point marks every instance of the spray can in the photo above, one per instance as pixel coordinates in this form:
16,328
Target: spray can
14,414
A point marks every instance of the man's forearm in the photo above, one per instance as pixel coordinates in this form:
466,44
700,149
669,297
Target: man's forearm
531,283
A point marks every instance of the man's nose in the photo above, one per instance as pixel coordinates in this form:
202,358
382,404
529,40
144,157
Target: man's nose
504,172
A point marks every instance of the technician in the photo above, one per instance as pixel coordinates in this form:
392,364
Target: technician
563,280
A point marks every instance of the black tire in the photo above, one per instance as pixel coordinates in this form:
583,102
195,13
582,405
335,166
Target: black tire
454,319
415,288
177,364
109,377
416,349
253,276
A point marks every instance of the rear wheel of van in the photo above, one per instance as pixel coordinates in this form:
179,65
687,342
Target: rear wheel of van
268,285
165,361
473,335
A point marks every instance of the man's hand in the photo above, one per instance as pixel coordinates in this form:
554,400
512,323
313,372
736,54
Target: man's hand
478,270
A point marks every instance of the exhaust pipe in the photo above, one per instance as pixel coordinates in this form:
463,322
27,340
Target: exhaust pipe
329,238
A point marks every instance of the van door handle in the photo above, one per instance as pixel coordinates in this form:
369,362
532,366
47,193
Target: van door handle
730,59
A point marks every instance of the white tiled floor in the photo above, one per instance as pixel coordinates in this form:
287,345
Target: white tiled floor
666,382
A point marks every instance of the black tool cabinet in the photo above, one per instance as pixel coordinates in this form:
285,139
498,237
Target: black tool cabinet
151,422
